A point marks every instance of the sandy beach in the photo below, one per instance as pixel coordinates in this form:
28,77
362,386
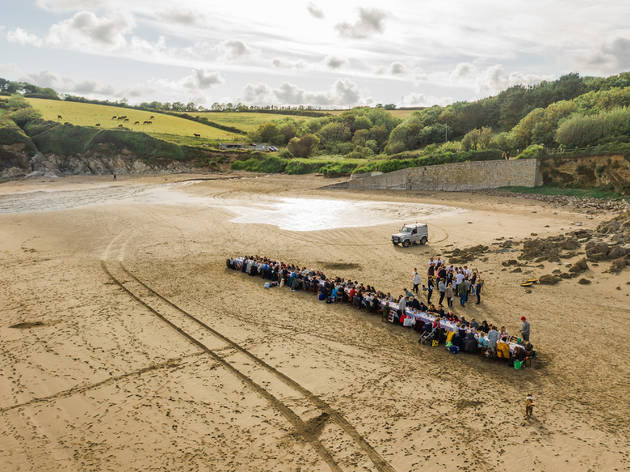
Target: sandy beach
139,350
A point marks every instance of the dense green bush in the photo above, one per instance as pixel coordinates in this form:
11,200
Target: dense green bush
533,151
10,133
304,146
335,169
299,166
65,140
269,164
581,130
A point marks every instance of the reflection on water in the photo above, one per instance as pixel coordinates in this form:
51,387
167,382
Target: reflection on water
293,214
311,214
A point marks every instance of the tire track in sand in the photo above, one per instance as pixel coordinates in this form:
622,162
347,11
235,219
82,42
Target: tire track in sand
304,429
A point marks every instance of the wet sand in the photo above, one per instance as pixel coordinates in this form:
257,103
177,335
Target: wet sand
274,380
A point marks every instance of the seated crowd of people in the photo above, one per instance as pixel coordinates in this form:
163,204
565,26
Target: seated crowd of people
435,324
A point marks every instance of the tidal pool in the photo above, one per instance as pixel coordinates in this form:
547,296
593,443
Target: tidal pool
287,213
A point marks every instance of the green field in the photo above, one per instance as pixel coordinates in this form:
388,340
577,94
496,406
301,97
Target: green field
245,120
167,127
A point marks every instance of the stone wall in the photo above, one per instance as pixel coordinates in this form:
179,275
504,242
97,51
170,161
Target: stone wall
456,177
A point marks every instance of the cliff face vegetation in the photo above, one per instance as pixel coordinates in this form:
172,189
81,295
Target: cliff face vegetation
604,172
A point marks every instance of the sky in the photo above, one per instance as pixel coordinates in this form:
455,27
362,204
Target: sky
324,53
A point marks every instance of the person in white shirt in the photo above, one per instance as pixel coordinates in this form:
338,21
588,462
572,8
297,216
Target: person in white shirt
402,304
416,280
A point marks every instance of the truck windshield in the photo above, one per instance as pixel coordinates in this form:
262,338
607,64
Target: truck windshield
406,229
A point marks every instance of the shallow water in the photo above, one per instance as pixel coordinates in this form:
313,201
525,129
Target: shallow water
293,214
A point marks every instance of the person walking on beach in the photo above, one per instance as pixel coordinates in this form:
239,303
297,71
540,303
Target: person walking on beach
529,406
478,286
416,280
463,292
429,289
525,328
442,290
449,294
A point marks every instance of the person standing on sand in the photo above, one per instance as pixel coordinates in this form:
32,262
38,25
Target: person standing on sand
478,286
442,290
114,177
416,280
525,327
449,294
463,292
529,406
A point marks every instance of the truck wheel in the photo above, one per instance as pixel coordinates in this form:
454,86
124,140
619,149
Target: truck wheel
406,243
423,241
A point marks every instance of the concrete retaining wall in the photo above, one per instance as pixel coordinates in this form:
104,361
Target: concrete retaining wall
456,177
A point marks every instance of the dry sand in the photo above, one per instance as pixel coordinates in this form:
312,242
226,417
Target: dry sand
276,380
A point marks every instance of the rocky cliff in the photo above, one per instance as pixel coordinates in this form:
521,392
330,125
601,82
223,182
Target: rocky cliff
50,149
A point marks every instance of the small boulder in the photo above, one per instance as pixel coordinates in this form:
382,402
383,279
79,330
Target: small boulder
618,265
579,267
549,279
617,252
584,282
597,251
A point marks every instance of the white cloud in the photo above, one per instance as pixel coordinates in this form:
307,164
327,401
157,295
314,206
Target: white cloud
280,64
67,85
463,71
86,29
421,100
69,5
334,62
370,21
202,79
342,93
612,56
315,11
492,79
19,36
258,94
397,68
10,71
181,16
233,49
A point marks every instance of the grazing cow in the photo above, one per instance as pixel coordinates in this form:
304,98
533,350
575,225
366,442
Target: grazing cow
137,123
146,122
152,116
59,117
120,126
196,135
120,118
114,117
97,124
126,119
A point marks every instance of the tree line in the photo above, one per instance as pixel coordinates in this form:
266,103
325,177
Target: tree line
570,112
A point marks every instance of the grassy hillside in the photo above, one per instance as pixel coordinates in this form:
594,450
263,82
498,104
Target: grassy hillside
402,114
246,121
166,127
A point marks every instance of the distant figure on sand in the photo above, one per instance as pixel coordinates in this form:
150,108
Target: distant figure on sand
525,329
114,176
529,406
416,280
